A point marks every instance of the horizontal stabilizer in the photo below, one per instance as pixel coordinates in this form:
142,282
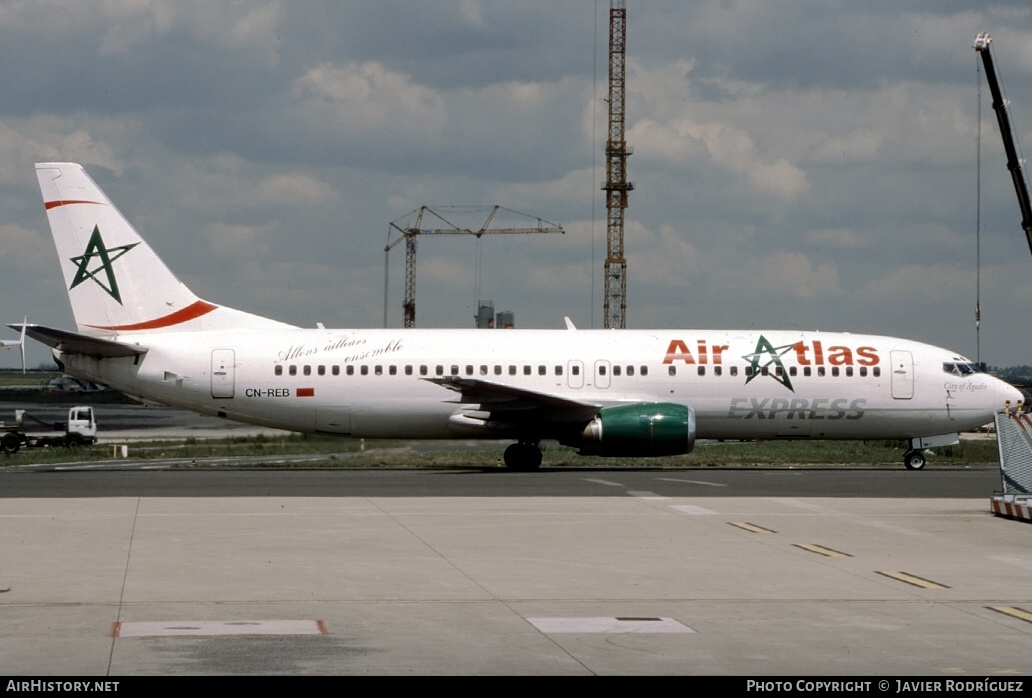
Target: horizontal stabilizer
72,343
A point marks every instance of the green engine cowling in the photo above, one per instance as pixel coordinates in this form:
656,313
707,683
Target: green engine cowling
643,429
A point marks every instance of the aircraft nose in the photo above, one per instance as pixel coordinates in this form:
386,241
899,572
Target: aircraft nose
1008,395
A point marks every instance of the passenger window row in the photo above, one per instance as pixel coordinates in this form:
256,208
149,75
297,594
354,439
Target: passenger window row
423,370
627,370
793,371
575,369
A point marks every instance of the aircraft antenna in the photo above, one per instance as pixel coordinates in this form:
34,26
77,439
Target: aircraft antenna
616,185
409,232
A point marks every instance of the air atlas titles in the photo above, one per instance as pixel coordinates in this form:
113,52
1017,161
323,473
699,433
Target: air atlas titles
813,353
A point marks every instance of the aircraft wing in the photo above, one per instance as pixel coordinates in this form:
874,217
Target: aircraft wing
495,403
73,343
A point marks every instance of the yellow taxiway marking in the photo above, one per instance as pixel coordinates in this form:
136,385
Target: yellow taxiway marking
752,528
1019,613
821,550
911,579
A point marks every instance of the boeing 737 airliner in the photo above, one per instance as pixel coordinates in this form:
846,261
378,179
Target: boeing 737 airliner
608,393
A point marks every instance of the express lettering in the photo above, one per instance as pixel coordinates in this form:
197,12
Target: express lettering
796,408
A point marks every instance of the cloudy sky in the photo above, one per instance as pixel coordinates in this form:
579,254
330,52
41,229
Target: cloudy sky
805,165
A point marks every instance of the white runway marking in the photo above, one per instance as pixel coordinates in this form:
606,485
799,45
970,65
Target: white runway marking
607,483
692,482
218,627
637,625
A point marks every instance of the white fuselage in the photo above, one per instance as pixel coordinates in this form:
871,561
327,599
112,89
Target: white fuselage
380,383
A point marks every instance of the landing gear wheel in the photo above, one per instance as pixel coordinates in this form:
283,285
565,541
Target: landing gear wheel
10,443
914,460
522,457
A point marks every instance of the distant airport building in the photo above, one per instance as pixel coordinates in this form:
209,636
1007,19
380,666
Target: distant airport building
505,320
488,320
485,315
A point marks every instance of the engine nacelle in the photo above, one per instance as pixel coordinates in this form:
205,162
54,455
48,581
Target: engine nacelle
644,429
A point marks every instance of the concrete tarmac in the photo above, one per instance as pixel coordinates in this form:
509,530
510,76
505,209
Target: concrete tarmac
632,583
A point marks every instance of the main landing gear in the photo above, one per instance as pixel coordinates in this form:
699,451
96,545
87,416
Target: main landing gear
914,460
523,456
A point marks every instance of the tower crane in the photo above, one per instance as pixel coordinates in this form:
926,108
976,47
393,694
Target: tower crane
410,233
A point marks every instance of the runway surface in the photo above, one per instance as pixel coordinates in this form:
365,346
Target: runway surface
576,572
203,478
172,568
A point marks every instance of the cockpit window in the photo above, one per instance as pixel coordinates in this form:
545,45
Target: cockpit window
958,368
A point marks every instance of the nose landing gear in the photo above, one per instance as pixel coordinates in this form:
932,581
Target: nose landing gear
914,460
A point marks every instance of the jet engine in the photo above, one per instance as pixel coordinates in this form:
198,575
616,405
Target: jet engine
642,429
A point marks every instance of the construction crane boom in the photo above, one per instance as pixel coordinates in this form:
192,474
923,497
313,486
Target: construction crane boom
409,233
1014,165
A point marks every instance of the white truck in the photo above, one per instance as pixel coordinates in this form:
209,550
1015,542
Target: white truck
79,430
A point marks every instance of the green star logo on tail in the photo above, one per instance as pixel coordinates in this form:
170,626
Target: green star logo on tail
765,355
95,248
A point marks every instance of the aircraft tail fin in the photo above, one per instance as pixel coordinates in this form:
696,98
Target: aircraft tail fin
116,282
